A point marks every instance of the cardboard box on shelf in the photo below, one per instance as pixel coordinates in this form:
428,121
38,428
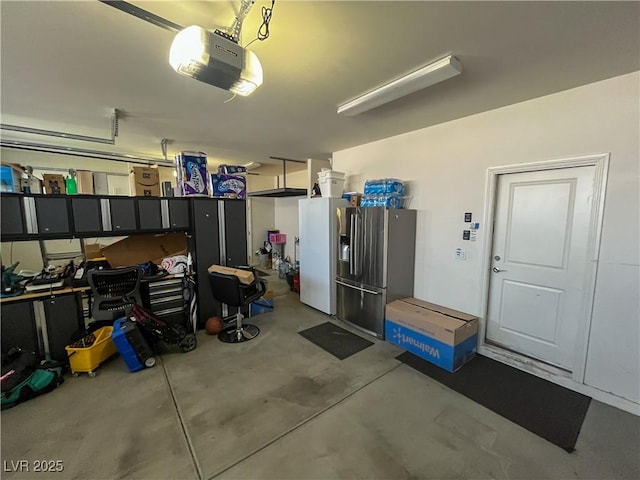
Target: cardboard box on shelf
245,276
100,183
355,199
145,182
84,179
93,251
54,183
139,249
445,337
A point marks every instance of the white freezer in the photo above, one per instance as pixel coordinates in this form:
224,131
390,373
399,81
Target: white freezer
318,249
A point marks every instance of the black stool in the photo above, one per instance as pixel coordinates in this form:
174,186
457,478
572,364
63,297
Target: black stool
229,290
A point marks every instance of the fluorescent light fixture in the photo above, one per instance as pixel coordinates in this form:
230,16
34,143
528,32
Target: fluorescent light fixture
426,76
252,165
216,60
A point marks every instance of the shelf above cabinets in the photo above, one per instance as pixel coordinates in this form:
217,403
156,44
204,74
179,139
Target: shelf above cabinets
31,217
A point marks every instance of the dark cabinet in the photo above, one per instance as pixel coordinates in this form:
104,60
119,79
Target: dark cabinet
52,214
58,216
212,221
22,320
179,213
63,319
19,326
123,214
206,245
235,232
149,213
87,216
12,219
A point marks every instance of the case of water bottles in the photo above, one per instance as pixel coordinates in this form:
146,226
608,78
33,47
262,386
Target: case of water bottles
384,192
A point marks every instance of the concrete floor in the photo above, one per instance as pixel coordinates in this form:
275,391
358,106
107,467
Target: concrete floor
279,407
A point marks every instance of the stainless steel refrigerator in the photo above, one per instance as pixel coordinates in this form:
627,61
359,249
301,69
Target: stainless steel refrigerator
376,263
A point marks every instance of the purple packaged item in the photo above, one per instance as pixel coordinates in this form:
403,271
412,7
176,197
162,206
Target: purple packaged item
229,186
191,168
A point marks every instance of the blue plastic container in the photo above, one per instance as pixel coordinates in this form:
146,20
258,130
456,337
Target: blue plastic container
121,329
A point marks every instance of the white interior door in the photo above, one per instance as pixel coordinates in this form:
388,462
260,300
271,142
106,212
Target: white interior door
538,290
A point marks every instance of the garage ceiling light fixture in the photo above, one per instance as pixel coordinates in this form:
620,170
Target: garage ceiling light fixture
423,77
216,57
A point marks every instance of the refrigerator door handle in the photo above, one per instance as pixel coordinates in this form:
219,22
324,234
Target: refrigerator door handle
352,242
358,288
356,258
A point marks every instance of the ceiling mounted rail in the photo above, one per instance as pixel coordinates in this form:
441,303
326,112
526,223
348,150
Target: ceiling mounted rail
142,14
83,152
69,136
283,191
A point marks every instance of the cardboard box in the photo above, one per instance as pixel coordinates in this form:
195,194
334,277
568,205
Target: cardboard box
54,184
440,335
100,183
191,171
229,186
93,251
145,182
84,179
245,276
139,249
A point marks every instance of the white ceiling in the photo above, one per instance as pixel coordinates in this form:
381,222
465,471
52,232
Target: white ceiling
65,65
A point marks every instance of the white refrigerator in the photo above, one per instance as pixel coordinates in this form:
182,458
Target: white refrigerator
318,232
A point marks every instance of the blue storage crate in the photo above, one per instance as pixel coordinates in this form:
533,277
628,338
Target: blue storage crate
121,327
262,305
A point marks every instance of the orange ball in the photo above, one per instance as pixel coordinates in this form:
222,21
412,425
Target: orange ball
214,325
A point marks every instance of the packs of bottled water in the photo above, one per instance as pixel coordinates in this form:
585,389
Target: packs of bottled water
389,200
384,186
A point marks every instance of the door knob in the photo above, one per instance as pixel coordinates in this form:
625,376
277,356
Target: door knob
497,270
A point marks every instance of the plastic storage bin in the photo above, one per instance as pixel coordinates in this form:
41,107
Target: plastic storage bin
331,183
277,238
133,348
99,348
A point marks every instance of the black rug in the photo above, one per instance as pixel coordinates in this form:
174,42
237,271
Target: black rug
544,408
261,273
335,340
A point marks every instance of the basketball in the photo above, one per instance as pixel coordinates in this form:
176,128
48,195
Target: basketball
214,326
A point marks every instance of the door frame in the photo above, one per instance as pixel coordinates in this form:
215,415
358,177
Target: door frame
539,368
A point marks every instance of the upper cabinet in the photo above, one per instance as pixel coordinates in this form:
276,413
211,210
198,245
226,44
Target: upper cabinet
26,217
122,215
12,221
149,213
87,215
52,215
178,214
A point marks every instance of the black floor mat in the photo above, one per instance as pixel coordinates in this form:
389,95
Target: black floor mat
337,341
261,273
544,408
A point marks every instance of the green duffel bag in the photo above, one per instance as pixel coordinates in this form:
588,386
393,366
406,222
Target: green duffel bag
22,379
